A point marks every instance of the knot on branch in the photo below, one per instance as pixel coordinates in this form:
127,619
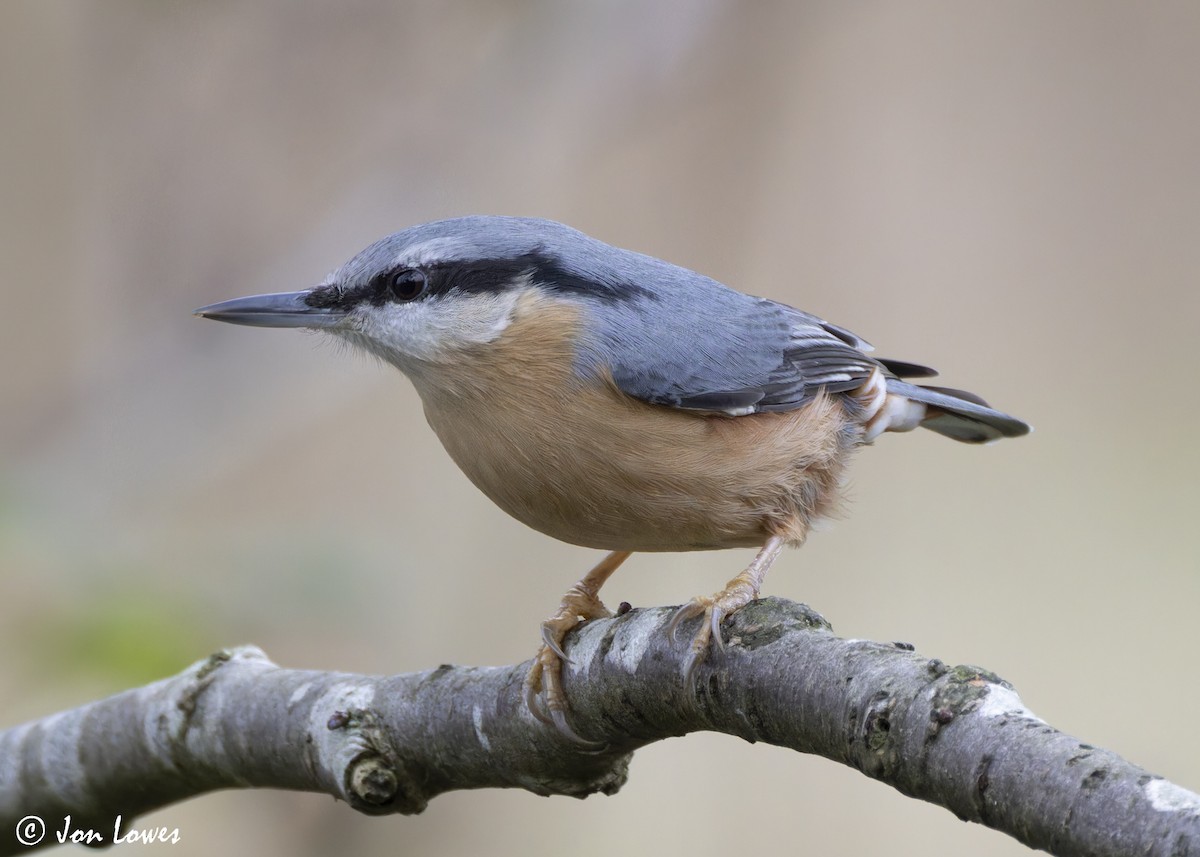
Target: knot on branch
375,780
370,781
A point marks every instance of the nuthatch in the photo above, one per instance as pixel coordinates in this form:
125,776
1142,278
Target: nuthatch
615,401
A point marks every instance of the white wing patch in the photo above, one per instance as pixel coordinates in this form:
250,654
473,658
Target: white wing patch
739,412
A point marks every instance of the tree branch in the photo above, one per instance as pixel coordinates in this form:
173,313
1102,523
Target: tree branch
955,736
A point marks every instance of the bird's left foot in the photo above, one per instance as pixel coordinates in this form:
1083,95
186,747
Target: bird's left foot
544,694
543,684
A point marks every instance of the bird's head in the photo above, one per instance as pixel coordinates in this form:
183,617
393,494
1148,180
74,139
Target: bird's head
423,295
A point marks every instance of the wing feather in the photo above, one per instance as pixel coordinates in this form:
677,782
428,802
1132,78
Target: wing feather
761,356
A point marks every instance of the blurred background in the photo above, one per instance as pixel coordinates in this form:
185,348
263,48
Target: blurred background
1005,191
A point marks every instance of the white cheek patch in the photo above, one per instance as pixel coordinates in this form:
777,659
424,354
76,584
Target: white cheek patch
433,329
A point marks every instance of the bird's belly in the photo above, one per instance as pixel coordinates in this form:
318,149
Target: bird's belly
586,500
606,471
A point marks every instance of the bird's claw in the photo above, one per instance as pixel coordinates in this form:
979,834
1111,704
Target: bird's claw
715,614
549,641
559,717
709,632
687,611
533,694
546,701
712,609
544,695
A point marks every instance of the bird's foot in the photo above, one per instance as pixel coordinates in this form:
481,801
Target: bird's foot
543,684
714,608
737,594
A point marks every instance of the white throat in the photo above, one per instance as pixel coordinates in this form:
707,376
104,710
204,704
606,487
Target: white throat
432,330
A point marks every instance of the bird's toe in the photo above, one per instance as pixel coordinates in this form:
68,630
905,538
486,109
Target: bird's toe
546,700
713,610
696,607
544,694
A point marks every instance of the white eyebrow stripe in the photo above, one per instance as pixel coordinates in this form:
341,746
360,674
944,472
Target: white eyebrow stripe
445,249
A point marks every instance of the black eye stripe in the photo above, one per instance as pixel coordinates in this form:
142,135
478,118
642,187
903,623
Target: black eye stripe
484,276
331,297
490,276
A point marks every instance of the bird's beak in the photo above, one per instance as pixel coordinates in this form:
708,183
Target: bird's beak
283,309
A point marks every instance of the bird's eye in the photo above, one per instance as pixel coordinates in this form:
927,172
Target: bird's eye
408,284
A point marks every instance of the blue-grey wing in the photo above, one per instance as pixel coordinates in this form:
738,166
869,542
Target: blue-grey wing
735,354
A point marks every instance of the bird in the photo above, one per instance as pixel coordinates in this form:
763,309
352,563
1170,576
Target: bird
613,400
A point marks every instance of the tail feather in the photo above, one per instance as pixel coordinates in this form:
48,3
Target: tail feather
904,369
958,414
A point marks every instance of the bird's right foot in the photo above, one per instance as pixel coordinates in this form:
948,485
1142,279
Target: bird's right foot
714,608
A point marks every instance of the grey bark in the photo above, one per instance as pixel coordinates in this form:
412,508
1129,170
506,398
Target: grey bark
955,736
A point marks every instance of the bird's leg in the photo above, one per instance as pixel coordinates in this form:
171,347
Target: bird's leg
737,594
581,604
